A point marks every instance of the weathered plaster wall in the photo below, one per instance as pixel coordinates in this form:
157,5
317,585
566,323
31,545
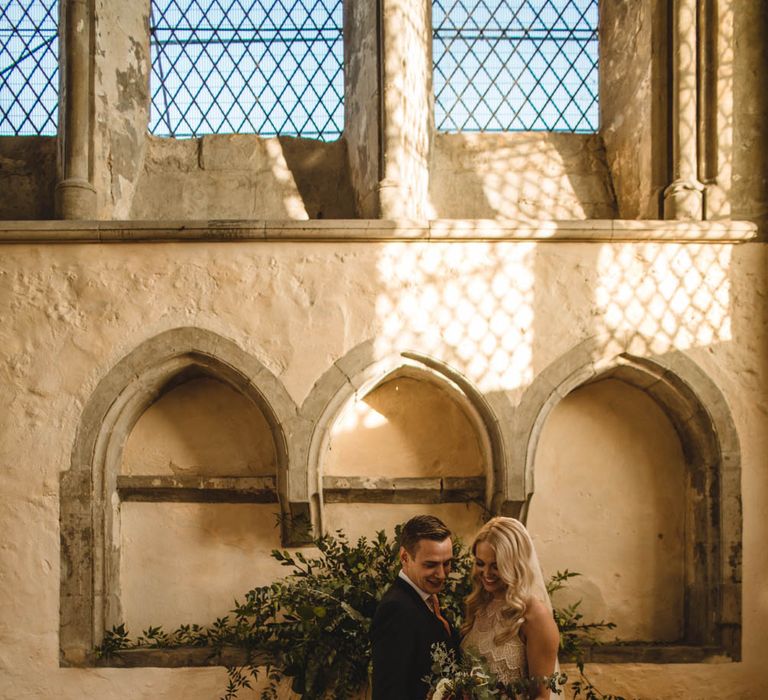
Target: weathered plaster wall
497,311
27,177
522,175
121,97
362,103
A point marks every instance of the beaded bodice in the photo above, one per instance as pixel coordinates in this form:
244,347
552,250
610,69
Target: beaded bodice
506,660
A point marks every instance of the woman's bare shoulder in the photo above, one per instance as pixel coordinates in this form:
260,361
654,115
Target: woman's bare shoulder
536,610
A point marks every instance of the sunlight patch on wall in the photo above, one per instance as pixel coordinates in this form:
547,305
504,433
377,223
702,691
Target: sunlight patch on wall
405,427
521,176
667,296
469,305
294,205
359,414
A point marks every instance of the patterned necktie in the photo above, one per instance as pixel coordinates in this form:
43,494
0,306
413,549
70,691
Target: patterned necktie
435,607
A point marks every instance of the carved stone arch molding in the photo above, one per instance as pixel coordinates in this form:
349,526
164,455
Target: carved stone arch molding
702,419
361,371
89,501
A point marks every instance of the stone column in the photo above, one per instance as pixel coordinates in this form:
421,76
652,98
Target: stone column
362,103
407,109
749,191
75,194
684,196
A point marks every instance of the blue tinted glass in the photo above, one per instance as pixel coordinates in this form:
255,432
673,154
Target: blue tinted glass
515,65
29,67
265,67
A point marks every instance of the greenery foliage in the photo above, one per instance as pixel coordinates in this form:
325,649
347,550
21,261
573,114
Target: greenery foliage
469,678
312,627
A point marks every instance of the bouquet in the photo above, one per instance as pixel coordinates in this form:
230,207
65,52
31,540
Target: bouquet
468,678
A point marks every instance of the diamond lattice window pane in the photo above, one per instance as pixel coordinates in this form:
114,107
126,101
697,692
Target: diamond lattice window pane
231,66
29,67
515,65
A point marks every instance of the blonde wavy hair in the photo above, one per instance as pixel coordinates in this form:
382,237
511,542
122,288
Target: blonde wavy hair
514,549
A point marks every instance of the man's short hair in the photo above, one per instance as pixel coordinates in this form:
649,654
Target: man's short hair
422,527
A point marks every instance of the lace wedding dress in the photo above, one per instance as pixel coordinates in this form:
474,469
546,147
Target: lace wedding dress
506,660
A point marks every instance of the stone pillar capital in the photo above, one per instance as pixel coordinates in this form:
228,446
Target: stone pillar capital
684,200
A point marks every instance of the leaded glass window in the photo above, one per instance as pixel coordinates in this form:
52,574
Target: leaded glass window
266,67
29,67
515,65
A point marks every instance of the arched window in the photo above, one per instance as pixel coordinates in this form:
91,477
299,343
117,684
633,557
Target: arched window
247,67
515,65
29,67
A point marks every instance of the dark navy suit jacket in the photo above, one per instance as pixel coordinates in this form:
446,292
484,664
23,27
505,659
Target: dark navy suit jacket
402,634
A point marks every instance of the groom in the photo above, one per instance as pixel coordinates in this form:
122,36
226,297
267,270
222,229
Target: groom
406,624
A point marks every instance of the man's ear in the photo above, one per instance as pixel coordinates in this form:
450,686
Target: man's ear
403,555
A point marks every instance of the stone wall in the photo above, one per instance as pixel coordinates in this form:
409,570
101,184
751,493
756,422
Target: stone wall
522,175
240,176
72,312
633,108
564,356
391,163
27,177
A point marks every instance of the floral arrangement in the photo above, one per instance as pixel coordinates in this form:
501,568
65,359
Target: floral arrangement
468,678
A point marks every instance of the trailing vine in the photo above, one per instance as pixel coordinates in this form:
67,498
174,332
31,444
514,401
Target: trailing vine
312,627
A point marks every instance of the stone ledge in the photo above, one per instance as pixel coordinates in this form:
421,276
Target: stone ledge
178,657
639,652
655,653
376,230
356,489
198,489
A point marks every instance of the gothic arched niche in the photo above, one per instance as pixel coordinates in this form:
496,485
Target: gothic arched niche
396,436
406,426
206,534
610,472
670,411
119,493
200,426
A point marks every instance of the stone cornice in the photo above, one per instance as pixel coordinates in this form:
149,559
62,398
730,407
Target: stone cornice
376,230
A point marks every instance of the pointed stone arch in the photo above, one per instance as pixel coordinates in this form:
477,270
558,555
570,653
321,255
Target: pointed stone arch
702,419
89,511
358,373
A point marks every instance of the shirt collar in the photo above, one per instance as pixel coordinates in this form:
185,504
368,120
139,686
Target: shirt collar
424,596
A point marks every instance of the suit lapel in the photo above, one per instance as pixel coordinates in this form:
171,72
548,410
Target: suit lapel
429,616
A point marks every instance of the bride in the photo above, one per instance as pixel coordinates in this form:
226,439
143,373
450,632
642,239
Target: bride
508,613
